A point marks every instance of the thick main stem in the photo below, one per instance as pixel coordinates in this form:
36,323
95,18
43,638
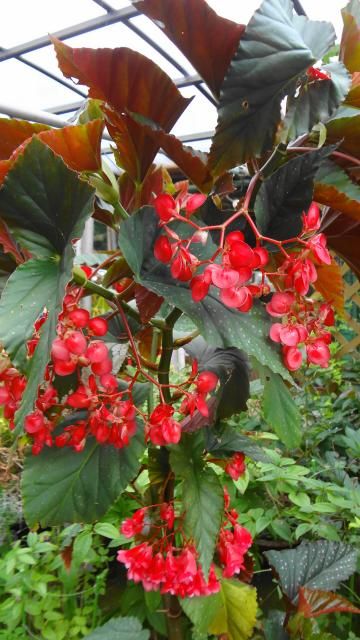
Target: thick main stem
171,603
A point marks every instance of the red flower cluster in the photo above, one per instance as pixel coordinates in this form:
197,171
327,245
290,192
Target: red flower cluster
162,429
160,565
236,466
304,323
11,391
234,276
76,349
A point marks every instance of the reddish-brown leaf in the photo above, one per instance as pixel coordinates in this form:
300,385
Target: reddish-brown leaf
4,168
78,145
14,132
350,40
66,555
343,236
145,344
193,163
207,40
132,198
315,602
125,79
346,131
9,244
147,302
330,284
337,199
353,97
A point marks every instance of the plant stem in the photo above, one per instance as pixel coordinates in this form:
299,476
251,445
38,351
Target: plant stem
80,279
171,603
166,352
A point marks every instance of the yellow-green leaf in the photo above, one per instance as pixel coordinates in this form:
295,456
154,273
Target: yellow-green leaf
237,613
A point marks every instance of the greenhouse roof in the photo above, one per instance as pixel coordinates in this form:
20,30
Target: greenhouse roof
34,88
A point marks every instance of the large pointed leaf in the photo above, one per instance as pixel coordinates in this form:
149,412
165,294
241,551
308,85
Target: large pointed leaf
315,565
120,629
193,163
315,602
350,39
316,100
126,79
60,485
231,366
280,410
334,188
201,611
202,496
219,325
273,52
14,132
344,128
343,237
330,284
42,195
78,145
288,192
207,40
237,615
353,97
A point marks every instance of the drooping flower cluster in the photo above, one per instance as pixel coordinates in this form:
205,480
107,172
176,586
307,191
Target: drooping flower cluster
11,390
162,428
238,271
94,406
160,562
236,466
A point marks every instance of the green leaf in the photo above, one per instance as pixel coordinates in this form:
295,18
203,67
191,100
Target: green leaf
334,188
237,614
108,530
42,195
120,629
219,325
288,192
227,441
61,485
315,565
274,51
344,128
280,410
202,494
274,626
316,100
201,611
231,366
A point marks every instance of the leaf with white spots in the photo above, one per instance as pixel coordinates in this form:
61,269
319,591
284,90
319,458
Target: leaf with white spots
315,565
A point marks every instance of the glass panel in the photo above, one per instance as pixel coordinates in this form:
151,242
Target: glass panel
31,89
24,20
118,35
156,34
118,4
199,116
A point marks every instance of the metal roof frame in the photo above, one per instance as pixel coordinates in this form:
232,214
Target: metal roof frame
112,16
